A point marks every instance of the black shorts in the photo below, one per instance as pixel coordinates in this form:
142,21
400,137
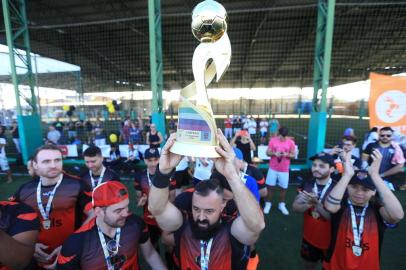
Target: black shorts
311,253
182,178
154,233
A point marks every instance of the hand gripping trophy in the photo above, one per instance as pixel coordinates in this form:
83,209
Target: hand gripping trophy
196,133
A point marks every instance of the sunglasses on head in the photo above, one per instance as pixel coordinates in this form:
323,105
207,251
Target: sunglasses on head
385,135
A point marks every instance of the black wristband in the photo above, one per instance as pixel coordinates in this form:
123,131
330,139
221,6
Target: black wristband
161,180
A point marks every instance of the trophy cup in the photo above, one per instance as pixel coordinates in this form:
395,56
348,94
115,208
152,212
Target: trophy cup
196,133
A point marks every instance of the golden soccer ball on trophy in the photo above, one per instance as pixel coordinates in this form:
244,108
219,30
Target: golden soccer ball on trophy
209,21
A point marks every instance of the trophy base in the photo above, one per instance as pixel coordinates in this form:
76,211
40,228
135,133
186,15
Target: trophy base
194,150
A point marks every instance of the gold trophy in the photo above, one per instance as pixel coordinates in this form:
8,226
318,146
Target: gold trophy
196,133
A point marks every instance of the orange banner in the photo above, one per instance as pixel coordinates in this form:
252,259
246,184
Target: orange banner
387,102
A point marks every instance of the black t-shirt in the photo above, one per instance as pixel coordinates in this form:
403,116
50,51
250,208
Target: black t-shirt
256,173
108,176
387,155
245,149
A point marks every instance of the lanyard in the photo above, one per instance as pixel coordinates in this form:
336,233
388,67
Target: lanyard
149,179
104,246
205,256
45,212
100,177
323,192
357,231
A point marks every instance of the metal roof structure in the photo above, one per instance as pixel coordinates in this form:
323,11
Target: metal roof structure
272,41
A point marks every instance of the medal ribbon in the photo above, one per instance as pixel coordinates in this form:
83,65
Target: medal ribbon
323,192
106,252
45,212
100,177
357,231
205,256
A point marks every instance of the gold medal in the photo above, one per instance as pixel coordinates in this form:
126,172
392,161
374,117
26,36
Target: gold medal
315,214
46,224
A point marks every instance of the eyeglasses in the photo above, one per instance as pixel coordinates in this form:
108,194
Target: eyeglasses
385,135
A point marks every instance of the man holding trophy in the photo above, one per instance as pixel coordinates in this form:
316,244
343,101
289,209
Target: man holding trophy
204,241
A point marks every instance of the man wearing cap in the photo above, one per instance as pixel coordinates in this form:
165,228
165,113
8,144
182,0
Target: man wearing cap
18,234
111,239
142,185
309,201
358,222
281,149
97,173
59,201
203,242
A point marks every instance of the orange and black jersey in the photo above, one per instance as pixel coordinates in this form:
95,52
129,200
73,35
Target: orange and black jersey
316,231
256,173
83,249
108,176
226,252
184,203
142,184
67,210
17,218
340,255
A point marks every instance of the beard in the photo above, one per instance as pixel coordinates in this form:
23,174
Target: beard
204,233
320,176
119,223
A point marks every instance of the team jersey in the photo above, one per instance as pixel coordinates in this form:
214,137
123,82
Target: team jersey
184,203
316,229
256,173
226,252
83,249
142,184
108,176
17,218
67,210
340,254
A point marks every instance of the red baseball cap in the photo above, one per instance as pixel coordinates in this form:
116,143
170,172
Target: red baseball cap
109,193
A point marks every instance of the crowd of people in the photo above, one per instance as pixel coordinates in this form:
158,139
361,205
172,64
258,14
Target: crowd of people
206,213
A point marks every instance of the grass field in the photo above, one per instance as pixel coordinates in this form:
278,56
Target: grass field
279,243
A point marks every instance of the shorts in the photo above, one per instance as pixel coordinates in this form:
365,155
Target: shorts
182,178
311,253
4,164
281,177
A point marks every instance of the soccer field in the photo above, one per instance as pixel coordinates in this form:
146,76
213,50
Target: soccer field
279,243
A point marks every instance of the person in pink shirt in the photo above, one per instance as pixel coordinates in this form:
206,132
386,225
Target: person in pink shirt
281,149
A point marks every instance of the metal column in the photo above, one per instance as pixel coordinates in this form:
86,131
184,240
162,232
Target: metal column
155,52
321,76
18,42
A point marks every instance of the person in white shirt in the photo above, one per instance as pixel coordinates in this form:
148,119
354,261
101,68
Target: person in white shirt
252,126
203,169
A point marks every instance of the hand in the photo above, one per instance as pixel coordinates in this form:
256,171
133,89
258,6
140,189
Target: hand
302,198
53,257
376,156
277,154
225,164
312,198
39,254
168,161
143,200
348,168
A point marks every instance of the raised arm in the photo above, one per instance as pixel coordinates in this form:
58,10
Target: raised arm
247,227
166,214
392,210
151,256
334,198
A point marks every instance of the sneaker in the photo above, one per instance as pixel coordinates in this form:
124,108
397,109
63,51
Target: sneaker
267,207
283,209
253,263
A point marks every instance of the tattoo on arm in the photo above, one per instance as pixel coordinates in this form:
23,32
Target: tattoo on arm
333,200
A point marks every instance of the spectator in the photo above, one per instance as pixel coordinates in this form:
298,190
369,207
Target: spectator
393,159
242,140
136,132
72,133
16,136
263,129
347,146
134,156
273,126
349,132
154,137
126,131
99,135
281,149
58,125
114,160
237,124
371,137
252,126
3,157
53,135
172,125
203,170
228,127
